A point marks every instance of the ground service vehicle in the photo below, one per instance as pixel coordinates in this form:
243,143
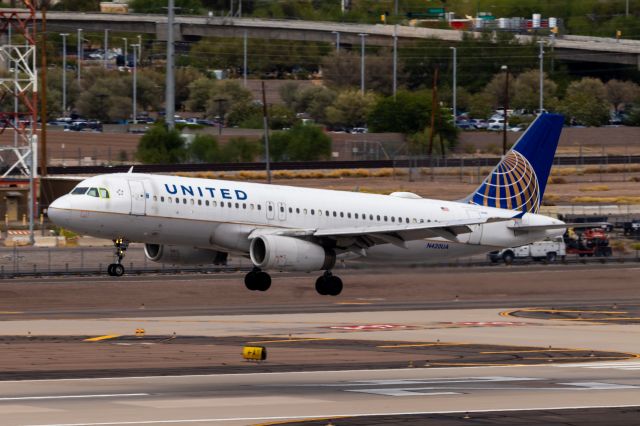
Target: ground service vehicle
590,242
539,250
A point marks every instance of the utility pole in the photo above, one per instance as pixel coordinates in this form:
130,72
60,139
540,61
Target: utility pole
43,99
395,8
265,121
79,53
139,47
135,83
64,73
395,61
434,107
170,103
541,57
505,107
244,60
626,10
337,33
455,84
362,38
106,49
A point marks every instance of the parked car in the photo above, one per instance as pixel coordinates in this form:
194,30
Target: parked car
464,125
495,124
478,123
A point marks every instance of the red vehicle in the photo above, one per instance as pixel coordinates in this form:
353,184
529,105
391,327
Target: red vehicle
591,242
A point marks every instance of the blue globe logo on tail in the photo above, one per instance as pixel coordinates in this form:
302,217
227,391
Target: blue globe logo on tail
519,180
512,185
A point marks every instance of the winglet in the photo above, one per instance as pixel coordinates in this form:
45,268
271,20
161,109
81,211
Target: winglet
130,170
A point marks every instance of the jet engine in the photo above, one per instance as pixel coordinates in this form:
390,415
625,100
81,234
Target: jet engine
290,254
183,255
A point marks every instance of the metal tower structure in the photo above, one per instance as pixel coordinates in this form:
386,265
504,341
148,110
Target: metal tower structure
19,83
18,92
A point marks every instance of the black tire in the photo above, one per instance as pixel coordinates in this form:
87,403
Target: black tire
251,281
110,269
551,257
335,286
508,257
263,281
321,286
118,270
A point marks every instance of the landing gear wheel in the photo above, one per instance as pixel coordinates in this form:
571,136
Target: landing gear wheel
328,284
116,269
257,280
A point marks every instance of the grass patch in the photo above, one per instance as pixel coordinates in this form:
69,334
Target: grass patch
595,188
606,200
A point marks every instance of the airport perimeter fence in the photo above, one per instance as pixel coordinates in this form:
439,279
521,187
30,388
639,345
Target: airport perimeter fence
77,261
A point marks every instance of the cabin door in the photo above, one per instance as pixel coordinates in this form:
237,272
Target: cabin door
138,197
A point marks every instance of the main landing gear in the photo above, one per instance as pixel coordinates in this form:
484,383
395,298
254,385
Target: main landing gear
257,280
116,269
328,284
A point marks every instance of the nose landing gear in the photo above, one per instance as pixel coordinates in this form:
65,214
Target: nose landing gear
329,284
116,269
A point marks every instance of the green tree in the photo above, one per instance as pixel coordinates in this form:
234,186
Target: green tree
408,113
225,95
621,93
184,76
240,150
204,149
527,91
342,70
199,90
301,143
351,108
161,146
586,102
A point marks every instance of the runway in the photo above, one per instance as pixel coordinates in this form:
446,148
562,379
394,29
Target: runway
441,343
261,398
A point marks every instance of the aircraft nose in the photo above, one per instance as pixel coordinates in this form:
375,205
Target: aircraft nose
60,211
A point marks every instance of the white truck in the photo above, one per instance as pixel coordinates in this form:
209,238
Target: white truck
549,250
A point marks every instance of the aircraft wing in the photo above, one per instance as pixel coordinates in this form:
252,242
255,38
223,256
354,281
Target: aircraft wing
397,234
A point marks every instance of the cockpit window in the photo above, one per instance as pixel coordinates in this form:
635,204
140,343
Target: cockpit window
93,192
79,190
104,193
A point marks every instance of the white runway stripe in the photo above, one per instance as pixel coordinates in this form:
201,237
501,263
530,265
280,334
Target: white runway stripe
37,398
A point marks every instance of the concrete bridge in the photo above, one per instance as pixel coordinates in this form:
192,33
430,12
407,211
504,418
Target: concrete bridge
571,48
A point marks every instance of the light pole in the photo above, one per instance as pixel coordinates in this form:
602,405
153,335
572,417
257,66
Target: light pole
135,83
170,81
244,58
337,33
541,57
79,53
362,38
455,84
126,62
64,73
395,61
505,108
106,49
140,47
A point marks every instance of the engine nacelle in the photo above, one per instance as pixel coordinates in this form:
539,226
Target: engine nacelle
290,254
184,255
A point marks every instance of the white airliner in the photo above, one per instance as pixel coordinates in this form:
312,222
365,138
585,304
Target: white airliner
199,221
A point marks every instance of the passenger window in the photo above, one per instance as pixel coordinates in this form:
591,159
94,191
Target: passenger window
244,205
281,209
270,207
385,218
370,217
319,212
349,215
192,201
407,220
177,200
297,210
184,201
304,211
93,192
326,213
313,212
155,197
105,194
378,217
170,200
221,203
162,199
79,191
259,206
334,214
393,219
251,206
237,205
206,202
341,214
290,209
356,216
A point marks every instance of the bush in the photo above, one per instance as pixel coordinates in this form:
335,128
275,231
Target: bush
204,149
301,143
161,146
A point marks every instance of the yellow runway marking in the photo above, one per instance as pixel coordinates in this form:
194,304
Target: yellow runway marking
575,357
570,311
289,340
99,338
353,303
10,312
420,345
535,350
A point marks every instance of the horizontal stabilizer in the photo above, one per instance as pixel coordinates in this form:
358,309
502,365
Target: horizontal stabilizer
533,228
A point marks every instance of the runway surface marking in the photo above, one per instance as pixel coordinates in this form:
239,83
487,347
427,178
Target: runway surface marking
37,398
327,416
421,345
100,338
240,401
616,365
292,340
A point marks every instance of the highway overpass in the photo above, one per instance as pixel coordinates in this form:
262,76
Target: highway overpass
572,48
